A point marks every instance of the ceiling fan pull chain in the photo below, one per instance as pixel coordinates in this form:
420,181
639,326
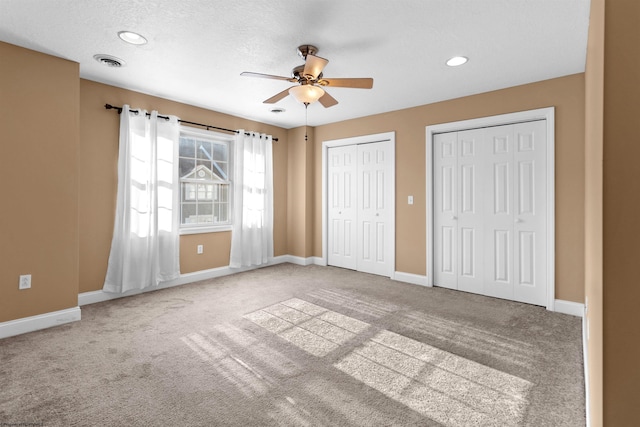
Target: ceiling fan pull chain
306,109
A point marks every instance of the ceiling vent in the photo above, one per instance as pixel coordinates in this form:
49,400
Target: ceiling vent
109,61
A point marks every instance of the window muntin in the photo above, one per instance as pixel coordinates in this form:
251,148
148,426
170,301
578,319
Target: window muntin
205,186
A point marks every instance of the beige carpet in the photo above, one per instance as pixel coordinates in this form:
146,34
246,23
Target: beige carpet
298,346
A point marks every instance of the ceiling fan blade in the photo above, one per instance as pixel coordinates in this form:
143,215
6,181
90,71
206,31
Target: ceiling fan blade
277,97
327,100
363,83
314,66
268,76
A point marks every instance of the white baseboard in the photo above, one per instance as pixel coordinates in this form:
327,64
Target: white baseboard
569,307
312,260
585,355
560,306
416,279
100,296
40,321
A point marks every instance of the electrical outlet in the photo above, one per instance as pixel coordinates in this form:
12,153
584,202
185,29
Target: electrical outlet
200,249
25,281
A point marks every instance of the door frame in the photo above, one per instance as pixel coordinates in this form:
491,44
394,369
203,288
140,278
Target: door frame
547,114
364,139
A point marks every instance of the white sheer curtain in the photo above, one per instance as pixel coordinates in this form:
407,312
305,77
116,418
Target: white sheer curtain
145,245
252,236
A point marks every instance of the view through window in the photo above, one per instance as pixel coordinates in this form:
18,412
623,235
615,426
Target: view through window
205,185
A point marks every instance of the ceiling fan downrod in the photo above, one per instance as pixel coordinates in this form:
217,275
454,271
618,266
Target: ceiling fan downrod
307,49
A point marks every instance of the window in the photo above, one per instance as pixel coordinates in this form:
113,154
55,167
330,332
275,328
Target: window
205,186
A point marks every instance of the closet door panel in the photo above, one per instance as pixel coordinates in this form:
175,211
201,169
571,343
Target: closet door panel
470,170
374,204
342,213
530,224
498,217
445,194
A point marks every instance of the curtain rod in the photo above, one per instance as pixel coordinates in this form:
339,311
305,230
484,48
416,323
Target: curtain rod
111,107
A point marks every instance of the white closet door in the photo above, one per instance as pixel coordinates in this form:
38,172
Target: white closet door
499,219
374,204
342,210
471,213
530,225
490,212
445,195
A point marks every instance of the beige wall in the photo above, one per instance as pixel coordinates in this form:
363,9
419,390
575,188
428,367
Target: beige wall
215,251
594,91
98,180
39,109
300,192
621,213
612,210
566,94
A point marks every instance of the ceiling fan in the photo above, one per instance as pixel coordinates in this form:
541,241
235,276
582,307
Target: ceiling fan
310,81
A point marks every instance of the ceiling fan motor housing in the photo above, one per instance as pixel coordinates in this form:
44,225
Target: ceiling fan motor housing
297,73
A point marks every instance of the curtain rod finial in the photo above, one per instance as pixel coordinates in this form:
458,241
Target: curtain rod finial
111,107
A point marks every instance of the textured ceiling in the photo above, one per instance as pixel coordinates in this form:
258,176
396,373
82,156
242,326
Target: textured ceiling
197,49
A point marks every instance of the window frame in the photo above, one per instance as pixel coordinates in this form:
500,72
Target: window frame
214,137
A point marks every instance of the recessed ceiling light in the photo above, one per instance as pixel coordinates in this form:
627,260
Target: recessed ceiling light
131,37
457,60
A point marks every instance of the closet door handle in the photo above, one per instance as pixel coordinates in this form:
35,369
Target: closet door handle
518,220
453,217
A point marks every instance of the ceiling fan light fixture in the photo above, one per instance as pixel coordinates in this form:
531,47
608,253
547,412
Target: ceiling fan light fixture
457,60
306,94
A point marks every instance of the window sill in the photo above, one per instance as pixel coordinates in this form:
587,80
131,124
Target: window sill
205,229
